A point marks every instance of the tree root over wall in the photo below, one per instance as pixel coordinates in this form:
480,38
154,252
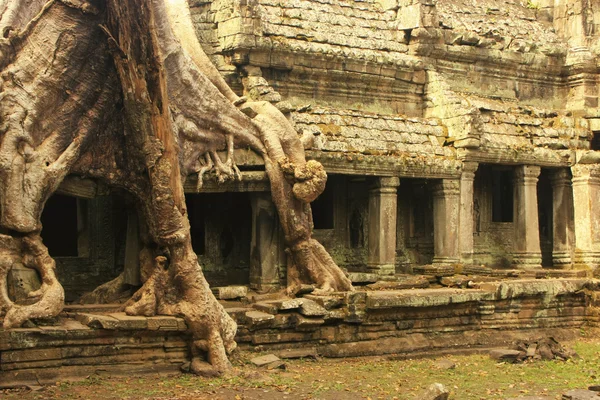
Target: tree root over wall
121,91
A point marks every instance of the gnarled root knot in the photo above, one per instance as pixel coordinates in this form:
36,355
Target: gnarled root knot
51,294
312,264
308,179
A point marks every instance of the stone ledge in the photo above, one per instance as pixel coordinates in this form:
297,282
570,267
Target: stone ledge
399,323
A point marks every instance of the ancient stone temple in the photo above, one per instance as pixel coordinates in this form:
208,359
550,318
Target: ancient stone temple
458,137
452,134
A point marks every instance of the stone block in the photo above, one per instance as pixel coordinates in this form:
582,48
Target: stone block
436,391
363,277
308,323
328,302
238,314
387,5
266,306
408,283
265,360
258,318
505,355
409,17
308,352
30,355
97,321
310,308
445,364
230,292
21,281
580,394
128,322
163,323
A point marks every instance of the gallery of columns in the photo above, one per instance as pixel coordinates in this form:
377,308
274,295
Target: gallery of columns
519,217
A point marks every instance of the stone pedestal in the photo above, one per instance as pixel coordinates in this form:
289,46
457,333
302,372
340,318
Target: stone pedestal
446,210
382,226
465,228
527,252
562,219
586,189
267,246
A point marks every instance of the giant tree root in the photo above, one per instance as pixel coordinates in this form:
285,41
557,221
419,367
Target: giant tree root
178,287
51,294
316,267
114,291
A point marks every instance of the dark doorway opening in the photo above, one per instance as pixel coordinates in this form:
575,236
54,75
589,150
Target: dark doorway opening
59,226
221,230
544,195
322,209
502,195
595,143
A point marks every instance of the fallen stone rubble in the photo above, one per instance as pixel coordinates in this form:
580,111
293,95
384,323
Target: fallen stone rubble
538,349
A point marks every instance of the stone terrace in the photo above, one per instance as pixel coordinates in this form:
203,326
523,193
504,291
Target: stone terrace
88,340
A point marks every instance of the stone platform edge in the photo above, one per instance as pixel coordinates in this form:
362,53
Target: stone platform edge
404,323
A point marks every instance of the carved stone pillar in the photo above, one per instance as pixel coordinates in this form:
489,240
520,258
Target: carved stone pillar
562,219
527,252
465,229
446,211
586,207
267,246
382,225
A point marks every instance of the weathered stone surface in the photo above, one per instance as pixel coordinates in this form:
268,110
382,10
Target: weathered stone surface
310,308
265,360
407,283
580,394
435,391
130,322
308,352
430,297
459,281
505,355
362,277
258,318
163,323
445,364
308,323
230,292
328,302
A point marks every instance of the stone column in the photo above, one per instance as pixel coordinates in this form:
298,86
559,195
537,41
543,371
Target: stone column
267,247
382,225
562,217
446,210
586,189
465,230
527,252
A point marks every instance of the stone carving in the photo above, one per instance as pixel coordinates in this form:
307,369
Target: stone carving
121,91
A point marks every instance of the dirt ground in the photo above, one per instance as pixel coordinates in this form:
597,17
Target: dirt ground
466,376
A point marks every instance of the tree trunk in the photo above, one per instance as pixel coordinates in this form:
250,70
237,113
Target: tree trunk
129,97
